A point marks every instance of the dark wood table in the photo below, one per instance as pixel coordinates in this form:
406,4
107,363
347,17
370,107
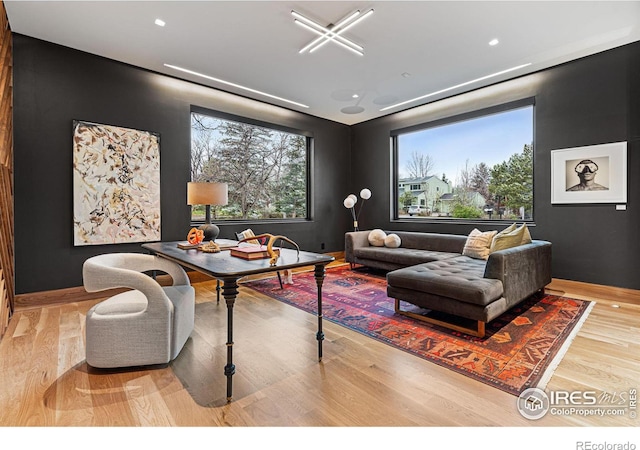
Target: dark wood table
229,269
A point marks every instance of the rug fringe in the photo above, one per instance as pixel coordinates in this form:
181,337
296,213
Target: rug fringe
555,362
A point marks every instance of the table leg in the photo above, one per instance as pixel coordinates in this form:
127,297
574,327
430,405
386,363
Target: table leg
319,275
230,292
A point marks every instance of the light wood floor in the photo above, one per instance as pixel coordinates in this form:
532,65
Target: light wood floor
279,382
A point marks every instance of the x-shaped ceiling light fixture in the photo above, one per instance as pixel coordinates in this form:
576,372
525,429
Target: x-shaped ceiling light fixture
331,33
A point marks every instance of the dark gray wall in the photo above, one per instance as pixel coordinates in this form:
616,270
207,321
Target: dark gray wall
590,101
54,85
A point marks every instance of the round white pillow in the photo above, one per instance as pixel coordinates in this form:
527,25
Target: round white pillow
376,237
392,241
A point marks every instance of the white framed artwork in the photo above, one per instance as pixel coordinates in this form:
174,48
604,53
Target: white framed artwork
589,174
116,185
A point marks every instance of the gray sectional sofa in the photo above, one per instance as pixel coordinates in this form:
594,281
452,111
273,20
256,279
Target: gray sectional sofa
429,270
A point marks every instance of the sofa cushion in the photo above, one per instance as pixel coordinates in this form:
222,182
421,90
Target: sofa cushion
437,242
392,241
128,302
401,256
526,236
512,236
478,244
507,230
460,278
376,237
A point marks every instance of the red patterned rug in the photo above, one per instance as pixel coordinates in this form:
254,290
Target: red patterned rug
520,350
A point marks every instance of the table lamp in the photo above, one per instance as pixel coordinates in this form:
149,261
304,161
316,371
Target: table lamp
208,194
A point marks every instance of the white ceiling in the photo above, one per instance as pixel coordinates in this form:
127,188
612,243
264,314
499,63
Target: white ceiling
436,44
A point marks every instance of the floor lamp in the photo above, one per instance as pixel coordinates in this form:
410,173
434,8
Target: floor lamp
208,194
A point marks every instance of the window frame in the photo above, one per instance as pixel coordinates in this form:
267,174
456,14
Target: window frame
309,151
469,115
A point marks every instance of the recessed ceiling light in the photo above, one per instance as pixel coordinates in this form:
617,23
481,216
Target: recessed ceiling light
160,22
493,42
239,86
456,86
406,74
355,96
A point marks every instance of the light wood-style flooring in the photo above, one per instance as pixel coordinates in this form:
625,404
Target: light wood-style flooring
45,381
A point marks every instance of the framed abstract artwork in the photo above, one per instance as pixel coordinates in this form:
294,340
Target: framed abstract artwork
590,174
116,185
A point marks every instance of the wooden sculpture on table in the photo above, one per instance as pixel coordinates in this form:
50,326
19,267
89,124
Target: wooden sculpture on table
195,236
272,239
210,247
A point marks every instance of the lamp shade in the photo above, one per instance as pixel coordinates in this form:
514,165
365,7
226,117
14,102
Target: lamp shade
348,202
207,193
365,194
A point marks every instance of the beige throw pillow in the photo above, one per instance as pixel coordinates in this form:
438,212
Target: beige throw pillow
478,243
376,237
526,237
509,229
499,239
509,238
392,241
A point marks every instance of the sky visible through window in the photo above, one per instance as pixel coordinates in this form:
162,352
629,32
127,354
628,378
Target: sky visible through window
490,139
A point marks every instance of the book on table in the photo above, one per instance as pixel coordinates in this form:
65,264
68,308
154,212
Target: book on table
186,245
224,244
253,252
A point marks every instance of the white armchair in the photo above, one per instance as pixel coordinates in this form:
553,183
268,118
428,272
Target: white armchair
146,325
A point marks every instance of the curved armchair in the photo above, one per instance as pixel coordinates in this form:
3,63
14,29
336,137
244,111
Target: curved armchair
146,325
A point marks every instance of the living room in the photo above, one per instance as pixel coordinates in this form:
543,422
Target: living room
585,101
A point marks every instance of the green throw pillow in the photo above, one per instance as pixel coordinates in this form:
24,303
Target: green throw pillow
509,229
511,236
526,238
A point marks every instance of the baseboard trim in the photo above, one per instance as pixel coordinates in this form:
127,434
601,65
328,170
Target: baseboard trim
598,292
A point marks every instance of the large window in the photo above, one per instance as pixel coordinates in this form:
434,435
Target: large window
266,169
479,166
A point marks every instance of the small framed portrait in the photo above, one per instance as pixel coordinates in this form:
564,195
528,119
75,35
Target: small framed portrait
591,174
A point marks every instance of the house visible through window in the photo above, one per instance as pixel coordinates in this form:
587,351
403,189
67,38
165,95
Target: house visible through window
266,169
479,166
